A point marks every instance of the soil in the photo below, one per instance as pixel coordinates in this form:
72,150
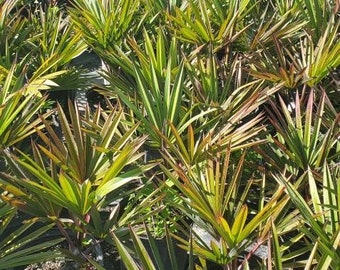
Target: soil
51,265
111,262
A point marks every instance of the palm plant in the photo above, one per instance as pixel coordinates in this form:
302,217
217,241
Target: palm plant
322,56
304,140
12,33
300,49
302,59
305,146
155,94
213,199
44,44
52,46
18,114
319,15
320,217
216,22
152,85
82,171
105,24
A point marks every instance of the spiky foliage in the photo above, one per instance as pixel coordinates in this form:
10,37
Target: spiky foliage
18,246
76,170
203,81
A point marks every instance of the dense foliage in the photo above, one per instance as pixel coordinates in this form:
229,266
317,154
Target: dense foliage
217,128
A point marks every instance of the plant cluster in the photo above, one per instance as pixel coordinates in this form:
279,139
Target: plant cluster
219,132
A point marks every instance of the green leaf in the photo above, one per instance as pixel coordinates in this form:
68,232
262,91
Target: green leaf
123,252
142,254
239,222
276,248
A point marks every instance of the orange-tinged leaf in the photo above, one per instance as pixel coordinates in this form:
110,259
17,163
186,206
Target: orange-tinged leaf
191,142
12,189
17,203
